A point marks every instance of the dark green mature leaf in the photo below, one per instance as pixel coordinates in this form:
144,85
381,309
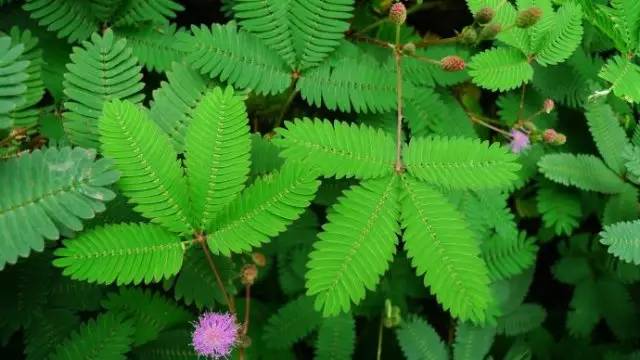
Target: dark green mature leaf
419,341
336,338
292,322
13,78
585,172
46,192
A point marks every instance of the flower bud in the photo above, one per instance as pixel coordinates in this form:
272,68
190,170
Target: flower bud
484,15
259,259
529,17
452,63
409,48
398,13
548,106
248,274
489,32
468,36
553,137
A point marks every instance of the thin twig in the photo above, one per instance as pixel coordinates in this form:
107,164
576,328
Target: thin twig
477,119
247,309
427,42
425,59
380,334
286,105
214,269
521,108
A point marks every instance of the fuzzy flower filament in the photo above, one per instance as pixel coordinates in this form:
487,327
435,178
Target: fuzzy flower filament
215,335
519,141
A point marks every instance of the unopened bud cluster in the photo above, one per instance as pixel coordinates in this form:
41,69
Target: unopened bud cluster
398,13
481,29
528,17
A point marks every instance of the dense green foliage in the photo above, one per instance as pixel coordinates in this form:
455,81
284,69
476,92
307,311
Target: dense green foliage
415,179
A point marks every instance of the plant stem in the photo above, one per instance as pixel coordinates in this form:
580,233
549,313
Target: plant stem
213,267
398,57
478,119
286,105
427,42
426,59
521,108
247,309
380,334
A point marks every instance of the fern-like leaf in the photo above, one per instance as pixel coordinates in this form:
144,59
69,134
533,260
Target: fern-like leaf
419,341
291,323
70,19
27,114
506,257
217,149
104,69
151,174
500,69
472,342
356,245
263,210
627,21
623,240
153,45
46,192
442,248
268,20
336,338
151,313
350,84
609,136
523,319
47,331
459,163
134,12
196,284
560,209
13,78
585,172
338,149
235,56
564,36
107,337
174,102
122,253
624,76
170,345
319,26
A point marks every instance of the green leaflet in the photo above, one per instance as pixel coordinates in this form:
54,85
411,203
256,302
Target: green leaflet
122,253
419,340
104,69
291,323
270,21
523,319
13,78
107,337
500,69
623,240
153,45
217,148
472,342
235,56
263,210
71,186
338,149
151,174
459,163
68,18
585,172
624,76
336,338
151,313
442,248
175,101
356,245
609,136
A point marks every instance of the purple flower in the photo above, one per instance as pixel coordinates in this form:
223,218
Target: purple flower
519,141
215,335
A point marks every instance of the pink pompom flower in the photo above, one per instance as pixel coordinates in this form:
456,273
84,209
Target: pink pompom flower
519,141
215,335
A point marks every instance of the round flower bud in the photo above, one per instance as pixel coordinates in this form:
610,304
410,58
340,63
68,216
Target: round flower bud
484,15
259,259
409,48
452,63
549,135
529,17
248,274
548,106
398,13
561,139
469,35
489,32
